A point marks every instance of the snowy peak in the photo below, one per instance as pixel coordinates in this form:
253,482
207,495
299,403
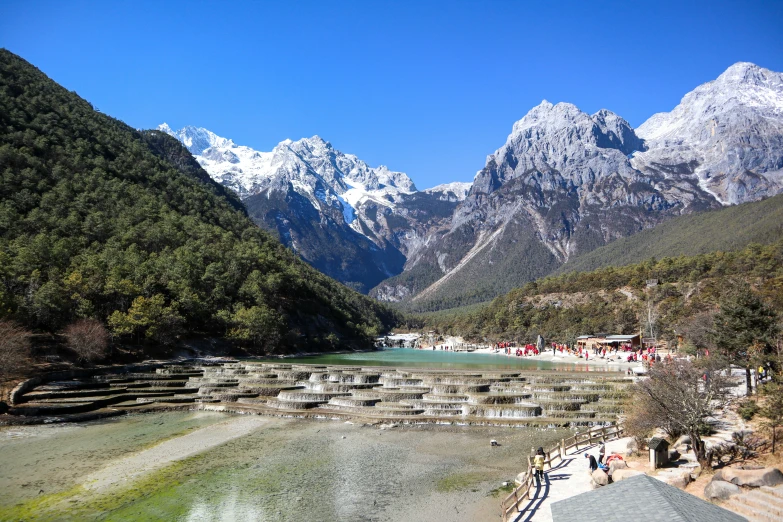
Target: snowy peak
565,140
747,73
305,161
547,122
549,117
197,139
727,132
455,191
743,86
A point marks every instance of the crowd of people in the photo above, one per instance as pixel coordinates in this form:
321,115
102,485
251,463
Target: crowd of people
626,352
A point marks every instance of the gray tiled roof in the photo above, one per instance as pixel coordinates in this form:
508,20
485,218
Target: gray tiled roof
655,443
639,499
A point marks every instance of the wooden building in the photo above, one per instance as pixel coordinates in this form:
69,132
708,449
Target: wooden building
593,341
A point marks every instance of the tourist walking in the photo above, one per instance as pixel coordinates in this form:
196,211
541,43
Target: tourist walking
538,464
601,453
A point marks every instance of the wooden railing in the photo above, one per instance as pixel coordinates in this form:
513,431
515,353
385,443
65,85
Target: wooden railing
518,501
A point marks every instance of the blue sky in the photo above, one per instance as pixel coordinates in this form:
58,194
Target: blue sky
429,88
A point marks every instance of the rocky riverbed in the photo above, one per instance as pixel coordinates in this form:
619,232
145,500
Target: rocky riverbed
217,466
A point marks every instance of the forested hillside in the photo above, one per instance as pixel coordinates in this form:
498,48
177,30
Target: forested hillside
618,300
100,220
726,229
730,228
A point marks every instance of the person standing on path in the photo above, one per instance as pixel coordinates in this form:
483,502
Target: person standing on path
538,464
601,453
593,463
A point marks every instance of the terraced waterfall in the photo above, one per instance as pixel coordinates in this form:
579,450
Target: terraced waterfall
369,394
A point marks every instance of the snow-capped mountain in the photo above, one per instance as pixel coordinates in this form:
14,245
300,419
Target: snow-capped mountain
563,183
352,221
566,182
455,191
249,171
727,133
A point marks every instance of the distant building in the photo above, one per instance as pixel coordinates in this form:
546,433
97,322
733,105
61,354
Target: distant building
602,340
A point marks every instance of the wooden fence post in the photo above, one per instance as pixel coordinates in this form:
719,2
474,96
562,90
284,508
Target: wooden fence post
562,449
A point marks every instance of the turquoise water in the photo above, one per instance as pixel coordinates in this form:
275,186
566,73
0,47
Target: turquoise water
440,359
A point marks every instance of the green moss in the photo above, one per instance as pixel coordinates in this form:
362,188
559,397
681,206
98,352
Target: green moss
503,490
461,481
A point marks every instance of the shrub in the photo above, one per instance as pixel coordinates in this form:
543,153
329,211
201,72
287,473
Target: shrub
88,338
14,348
747,409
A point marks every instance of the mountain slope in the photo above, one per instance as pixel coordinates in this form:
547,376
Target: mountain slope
100,220
560,186
353,222
566,182
727,229
612,299
728,132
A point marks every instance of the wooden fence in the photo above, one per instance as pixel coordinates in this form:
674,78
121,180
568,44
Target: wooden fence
522,494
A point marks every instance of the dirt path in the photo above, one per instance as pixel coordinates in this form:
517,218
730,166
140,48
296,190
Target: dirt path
133,466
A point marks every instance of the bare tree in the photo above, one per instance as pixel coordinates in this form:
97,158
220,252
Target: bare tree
679,396
88,338
14,350
650,318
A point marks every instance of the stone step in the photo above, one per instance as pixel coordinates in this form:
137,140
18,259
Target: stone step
170,400
445,397
279,404
752,510
327,386
310,395
37,396
499,398
513,411
353,402
459,388
71,385
232,396
776,491
765,502
252,400
435,412
566,414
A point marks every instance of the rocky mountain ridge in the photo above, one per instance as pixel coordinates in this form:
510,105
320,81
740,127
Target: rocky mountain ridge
726,134
563,183
566,182
354,222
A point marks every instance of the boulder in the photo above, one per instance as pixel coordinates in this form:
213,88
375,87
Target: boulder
622,474
678,479
682,441
615,465
632,448
694,468
674,455
754,478
599,478
720,490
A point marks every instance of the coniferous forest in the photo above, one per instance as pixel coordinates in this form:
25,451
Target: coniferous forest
99,220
